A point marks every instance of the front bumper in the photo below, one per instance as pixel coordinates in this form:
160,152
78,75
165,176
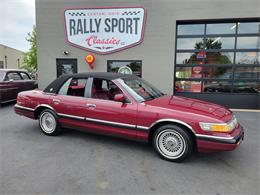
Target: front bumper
211,143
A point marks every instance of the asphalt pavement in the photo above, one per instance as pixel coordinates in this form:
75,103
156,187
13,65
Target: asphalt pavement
82,163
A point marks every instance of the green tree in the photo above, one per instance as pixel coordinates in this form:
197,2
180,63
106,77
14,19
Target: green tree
30,57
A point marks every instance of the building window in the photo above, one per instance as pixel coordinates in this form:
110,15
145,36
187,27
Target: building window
218,57
125,66
1,64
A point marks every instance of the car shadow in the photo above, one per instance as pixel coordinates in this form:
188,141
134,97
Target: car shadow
147,148
7,104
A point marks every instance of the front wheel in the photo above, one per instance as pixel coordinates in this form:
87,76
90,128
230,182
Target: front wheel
48,122
172,143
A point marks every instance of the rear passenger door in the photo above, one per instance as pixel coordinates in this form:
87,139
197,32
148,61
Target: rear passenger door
29,84
70,102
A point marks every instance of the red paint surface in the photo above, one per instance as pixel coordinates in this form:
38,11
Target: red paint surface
189,111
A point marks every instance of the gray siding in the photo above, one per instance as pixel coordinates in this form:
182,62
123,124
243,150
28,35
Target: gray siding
157,50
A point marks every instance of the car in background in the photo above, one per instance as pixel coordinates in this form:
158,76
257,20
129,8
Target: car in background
13,81
127,106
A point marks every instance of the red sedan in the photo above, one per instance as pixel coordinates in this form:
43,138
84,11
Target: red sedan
127,106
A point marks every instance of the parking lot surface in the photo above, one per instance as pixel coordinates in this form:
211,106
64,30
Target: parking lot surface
82,163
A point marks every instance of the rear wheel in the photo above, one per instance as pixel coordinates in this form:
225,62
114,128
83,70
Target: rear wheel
172,143
48,122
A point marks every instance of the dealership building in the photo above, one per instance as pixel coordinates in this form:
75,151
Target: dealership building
204,49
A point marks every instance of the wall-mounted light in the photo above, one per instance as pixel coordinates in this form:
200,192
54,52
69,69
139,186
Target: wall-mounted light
66,53
90,59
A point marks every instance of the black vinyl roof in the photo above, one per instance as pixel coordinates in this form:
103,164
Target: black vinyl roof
56,84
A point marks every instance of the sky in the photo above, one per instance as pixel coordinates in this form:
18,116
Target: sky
16,21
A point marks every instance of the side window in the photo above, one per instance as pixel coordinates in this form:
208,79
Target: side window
104,89
25,76
74,87
13,76
64,89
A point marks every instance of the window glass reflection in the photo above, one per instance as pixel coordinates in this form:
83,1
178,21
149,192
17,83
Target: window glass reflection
189,72
190,29
205,58
249,27
127,67
225,28
247,57
220,43
217,72
217,86
246,87
188,43
188,86
248,42
247,73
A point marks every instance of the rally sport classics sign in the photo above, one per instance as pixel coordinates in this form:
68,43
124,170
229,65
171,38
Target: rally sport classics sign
105,30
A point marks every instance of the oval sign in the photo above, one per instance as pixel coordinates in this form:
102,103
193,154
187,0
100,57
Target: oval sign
105,30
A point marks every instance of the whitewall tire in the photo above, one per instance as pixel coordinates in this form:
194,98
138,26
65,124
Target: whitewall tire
48,122
172,143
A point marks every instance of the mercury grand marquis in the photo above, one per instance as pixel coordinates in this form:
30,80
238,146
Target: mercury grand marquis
127,106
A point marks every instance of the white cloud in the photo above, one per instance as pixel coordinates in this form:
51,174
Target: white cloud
18,18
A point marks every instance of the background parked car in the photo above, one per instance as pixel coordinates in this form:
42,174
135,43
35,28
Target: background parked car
13,81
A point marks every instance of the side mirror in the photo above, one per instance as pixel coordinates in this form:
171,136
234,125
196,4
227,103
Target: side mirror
119,98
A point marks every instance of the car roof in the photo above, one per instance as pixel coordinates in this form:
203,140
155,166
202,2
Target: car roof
12,70
56,84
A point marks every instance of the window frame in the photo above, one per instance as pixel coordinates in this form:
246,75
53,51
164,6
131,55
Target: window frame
203,36
7,79
69,80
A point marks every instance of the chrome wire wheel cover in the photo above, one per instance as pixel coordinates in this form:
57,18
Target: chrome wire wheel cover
47,122
170,144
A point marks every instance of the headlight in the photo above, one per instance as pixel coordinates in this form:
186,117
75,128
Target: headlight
219,127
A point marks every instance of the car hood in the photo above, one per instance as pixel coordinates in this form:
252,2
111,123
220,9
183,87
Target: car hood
190,105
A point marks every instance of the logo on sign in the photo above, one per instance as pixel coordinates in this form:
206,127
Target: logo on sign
105,30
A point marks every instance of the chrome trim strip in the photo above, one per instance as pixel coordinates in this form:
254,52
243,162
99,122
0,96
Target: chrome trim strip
142,127
23,107
71,116
214,137
44,105
172,120
8,101
110,122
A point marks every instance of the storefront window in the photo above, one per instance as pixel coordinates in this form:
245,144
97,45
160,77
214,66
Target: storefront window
191,29
205,58
247,73
188,86
248,27
222,59
247,57
225,28
246,87
248,43
125,66
217,87
188,43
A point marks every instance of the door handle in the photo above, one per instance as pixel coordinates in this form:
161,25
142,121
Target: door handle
91,105
56,101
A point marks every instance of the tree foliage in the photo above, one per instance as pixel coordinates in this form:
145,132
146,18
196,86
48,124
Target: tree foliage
30,57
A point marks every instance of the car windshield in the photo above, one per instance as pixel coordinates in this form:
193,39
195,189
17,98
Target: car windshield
2,74
140,89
